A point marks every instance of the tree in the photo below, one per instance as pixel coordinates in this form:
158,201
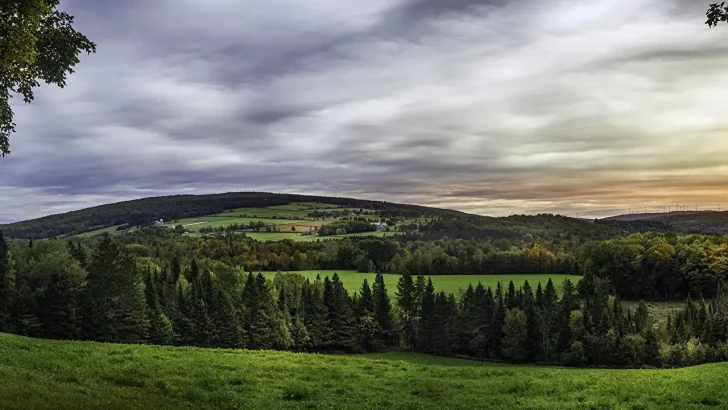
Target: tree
428,319
37,43
383,312
407,309
515,335
340,315
6,286
717,13
315,316
115,307
652,347
60,301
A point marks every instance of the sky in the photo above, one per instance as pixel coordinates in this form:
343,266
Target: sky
492,107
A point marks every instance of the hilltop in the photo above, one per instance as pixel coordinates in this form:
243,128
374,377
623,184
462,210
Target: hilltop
142,212
272,217
44,374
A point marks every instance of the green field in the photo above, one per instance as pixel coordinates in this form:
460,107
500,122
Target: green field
110,229
283,217
41,374
449,283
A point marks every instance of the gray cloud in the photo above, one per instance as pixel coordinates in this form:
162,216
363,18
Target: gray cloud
486,106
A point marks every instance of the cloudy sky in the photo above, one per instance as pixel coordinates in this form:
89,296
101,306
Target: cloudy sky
489,106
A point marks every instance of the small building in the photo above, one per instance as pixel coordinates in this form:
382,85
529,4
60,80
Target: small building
380,225
351,215
308,232
400,219
159,222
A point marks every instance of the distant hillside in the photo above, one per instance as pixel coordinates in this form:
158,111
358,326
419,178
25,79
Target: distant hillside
141,212
708,222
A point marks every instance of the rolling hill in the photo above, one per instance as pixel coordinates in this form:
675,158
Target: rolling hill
143,211
44,374
294,213
710,222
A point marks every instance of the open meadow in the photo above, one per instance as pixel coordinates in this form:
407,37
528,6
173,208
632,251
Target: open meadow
455,284
44,374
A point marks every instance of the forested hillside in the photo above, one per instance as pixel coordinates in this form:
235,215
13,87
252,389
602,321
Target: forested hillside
143,212
450,223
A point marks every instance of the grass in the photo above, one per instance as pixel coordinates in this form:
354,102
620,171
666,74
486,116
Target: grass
658,310
41,374
297,237
449,283
110,229
195,224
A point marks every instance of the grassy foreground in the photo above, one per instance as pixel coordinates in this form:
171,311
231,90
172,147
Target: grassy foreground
40,374
454,284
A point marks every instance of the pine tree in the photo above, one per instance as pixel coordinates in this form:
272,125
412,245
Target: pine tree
407,310
366,300
445,311
226,321
652,347
495,339
7,287
176,270
282,323
428,319
529,309
515,335
183,324
61,302
642,317
383,312
161,331
78,252
114,308
510,298
569,302
315,316
258,318
550,296
340,315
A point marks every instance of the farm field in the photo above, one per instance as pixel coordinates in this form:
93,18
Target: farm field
352,280
297,237
110,229
44,374
285,218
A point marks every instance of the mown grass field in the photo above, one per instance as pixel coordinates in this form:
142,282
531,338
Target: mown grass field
297,237
42,374
449,283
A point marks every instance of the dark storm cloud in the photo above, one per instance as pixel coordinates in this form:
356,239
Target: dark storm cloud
485,106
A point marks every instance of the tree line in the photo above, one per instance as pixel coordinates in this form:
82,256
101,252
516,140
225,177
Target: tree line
65,290
647,266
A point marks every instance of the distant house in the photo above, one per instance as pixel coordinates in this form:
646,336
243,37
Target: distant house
159,222
308,232
380,225
400,219
351,215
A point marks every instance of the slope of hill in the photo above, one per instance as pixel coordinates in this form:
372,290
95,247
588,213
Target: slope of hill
144,211
709,222
42,374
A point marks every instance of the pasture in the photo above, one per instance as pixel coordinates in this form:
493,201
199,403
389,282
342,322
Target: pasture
455,284
285,221
44,374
